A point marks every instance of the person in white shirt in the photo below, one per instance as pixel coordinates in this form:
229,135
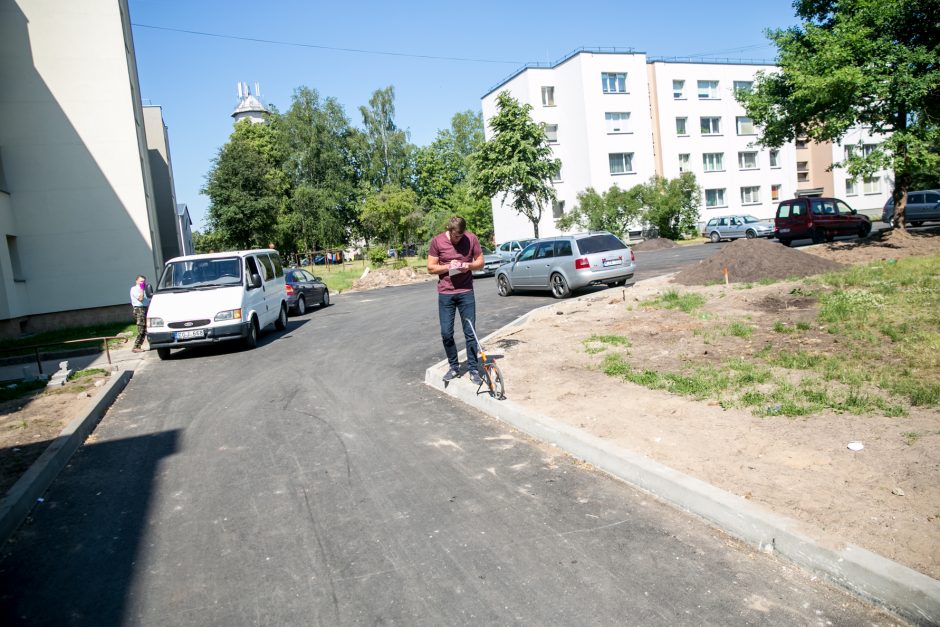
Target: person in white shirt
140,301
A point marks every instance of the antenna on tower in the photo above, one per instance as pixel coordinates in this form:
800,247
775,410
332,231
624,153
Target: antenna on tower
238,88
257,90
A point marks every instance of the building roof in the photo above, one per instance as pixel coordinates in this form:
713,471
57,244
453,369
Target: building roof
249,104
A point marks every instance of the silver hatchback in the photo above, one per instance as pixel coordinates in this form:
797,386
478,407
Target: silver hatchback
566,263
733,227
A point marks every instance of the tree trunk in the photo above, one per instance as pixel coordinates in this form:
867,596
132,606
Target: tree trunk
902,176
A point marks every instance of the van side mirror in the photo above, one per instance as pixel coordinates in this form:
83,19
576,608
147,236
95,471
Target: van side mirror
149,291
255,281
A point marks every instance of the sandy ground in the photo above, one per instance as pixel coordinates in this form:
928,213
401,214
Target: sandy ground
885,497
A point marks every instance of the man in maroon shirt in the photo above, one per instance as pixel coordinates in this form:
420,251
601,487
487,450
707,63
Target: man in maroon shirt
452,256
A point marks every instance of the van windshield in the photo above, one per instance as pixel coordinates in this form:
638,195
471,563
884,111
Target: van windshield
201,273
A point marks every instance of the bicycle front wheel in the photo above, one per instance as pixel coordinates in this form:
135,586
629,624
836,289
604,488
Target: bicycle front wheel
494,380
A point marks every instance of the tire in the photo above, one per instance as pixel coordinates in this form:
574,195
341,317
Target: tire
281,323
559,286
251,340
163,353
715,237
325,301
493,377
785,242
915,223
817,236
865,229
503,288
301,306
830,237
750,234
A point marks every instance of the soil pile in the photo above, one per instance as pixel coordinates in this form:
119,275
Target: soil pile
386,277
657,243
754,259
890,245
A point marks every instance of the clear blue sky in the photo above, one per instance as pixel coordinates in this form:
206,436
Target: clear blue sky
193,77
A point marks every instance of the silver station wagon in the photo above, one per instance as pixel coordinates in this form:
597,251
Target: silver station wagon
566,263
733,227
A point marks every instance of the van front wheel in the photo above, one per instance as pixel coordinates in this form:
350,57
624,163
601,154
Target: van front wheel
163,353
251,340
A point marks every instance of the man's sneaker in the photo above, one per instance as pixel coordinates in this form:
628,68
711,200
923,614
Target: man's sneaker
451,374
475,378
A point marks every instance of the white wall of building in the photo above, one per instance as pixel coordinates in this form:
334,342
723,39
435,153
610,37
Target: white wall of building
862,195
74,156
732,177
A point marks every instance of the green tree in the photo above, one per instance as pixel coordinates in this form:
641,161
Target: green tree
671,205
615,210
388,155
516,162
247,187
392,215
872,63
207,242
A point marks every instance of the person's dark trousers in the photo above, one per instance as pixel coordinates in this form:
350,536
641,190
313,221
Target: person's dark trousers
140,317
448,305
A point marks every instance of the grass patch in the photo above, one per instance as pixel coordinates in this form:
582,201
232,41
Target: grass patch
739,329
674,300
88,372
782,327
52,340
20,389
340,277
599,343
802,325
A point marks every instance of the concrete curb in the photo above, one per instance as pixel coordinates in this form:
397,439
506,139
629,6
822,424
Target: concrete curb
910,594
20,499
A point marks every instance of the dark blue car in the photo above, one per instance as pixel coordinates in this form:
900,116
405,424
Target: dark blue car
303,290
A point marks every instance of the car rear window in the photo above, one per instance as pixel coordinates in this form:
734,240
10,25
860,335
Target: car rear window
599,244
563,248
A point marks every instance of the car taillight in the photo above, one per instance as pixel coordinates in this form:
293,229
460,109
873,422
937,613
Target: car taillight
290,290
582,263
632,256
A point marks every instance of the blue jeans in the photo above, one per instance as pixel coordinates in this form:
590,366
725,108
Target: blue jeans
447,307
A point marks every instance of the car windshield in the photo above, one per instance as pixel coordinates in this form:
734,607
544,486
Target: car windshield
486,251
201,273
750,219
599,244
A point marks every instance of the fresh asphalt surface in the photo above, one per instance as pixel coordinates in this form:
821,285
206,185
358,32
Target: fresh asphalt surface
317,480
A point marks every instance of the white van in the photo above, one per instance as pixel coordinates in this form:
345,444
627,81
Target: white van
206,299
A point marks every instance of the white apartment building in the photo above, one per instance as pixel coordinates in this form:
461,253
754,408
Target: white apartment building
866,193
77,210
618,118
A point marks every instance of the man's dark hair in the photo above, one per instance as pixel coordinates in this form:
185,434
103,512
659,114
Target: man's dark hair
140,276
456,225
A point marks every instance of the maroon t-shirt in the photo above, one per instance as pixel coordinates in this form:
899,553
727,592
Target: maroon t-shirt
466,250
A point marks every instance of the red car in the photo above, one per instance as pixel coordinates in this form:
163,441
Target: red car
818,219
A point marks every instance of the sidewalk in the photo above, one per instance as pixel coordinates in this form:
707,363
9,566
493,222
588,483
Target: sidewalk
122,358
868,575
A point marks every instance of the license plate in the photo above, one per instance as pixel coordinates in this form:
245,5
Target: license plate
784,230
613,262
188,335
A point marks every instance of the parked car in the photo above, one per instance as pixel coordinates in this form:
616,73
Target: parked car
733,227
491,261
818,219
566,263
508,250
922,206
206,299
304,289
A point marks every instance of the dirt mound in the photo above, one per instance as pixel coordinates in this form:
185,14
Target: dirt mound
891,245
657,243
386,277
754,259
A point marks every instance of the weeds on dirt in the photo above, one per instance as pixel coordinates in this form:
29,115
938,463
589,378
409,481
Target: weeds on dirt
88,372
599,343
674,300
739,329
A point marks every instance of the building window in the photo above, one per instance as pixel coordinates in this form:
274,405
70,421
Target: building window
614,82
684,162
745,86
775,192
711,126
708,90
750,195
871,185
851,187
556,178
15,263
802,177
800,144
548,96
775,158
859,150
551,133
681,127
747,160
621,162
617,122
745,126
558,208
678,90
715,198
713,161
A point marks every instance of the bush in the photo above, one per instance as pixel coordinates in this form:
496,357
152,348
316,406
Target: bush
399,263
377,256
423,251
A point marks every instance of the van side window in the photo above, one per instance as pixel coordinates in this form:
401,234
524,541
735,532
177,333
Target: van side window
278,267
267,266
797,209
250,268
783,210
563,248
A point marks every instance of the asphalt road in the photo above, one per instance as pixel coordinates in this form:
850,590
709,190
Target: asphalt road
317,480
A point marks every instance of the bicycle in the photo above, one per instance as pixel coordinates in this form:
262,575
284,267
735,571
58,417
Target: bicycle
490,373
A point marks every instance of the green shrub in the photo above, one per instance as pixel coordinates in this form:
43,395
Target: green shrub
377,256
